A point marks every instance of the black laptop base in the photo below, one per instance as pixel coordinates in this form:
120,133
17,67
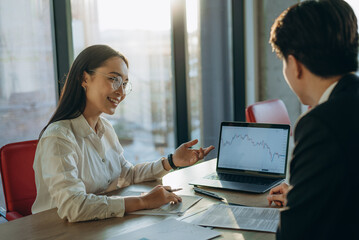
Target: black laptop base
236,186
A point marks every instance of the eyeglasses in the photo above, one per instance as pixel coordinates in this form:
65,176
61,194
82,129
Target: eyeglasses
117,82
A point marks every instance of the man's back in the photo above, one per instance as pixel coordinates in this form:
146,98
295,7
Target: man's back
318,44
323,203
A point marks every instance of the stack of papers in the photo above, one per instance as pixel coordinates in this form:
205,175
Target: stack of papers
172,209
238,217
170,229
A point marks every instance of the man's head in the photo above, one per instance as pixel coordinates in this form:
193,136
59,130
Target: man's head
321,35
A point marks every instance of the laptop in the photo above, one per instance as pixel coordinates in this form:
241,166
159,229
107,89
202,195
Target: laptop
252,157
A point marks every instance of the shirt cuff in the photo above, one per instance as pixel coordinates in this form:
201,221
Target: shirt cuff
116,206
158,169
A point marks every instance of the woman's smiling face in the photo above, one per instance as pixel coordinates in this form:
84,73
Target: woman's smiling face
101,97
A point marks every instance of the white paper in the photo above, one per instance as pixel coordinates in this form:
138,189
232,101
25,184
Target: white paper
170,229
172,209
238,217
195,212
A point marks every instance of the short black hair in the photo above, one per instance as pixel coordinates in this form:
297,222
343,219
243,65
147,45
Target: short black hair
322,35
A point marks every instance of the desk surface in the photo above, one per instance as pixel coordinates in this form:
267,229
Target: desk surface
48,225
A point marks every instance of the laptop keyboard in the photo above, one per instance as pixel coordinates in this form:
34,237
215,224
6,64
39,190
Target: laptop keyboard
241,178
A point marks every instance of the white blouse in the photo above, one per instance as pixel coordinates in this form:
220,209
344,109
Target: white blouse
73,165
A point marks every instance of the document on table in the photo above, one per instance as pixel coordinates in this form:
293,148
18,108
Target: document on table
172,209
238,217
170,229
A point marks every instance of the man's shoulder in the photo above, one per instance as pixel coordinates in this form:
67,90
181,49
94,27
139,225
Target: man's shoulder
338,116
341,107
333,123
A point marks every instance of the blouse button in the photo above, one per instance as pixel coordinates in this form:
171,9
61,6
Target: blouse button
112,214
103,160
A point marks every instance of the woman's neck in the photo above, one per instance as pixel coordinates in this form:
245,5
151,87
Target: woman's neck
92,119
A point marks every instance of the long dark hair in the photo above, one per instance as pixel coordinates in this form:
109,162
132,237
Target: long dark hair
72,101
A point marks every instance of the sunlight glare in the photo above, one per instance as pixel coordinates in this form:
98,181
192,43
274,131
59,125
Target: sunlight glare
192,15
151,15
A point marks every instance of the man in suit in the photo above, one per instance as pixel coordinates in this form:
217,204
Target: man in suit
318,44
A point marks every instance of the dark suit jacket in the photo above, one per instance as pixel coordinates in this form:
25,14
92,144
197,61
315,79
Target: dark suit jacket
324,171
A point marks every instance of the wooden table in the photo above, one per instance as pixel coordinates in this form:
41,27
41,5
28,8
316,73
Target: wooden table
48,225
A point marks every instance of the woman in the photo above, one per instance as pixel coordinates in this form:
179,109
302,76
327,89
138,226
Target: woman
79,156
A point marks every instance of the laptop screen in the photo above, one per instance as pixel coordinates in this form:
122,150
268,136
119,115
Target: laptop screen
253,147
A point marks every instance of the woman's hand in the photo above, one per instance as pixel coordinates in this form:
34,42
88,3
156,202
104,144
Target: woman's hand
185,156
278,195
159,196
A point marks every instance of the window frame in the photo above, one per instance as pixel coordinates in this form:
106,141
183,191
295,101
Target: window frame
63,57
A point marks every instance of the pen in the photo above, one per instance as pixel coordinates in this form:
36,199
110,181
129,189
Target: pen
211,194
174,190
235,204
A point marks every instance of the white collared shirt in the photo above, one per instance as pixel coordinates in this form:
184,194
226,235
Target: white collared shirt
327,93
73,164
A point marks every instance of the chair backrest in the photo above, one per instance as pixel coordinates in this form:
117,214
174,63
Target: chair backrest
270,111
17,175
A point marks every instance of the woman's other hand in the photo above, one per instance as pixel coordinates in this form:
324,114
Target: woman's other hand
186,156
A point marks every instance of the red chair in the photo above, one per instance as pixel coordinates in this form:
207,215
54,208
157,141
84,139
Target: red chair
18,179
270,111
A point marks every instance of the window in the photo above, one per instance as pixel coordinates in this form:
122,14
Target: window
355,5
144,120
27,80
27,85
194,82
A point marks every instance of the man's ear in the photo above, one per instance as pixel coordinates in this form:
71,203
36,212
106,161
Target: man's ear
298,66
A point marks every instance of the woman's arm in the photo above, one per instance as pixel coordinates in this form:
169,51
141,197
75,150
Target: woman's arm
68,191
183,156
